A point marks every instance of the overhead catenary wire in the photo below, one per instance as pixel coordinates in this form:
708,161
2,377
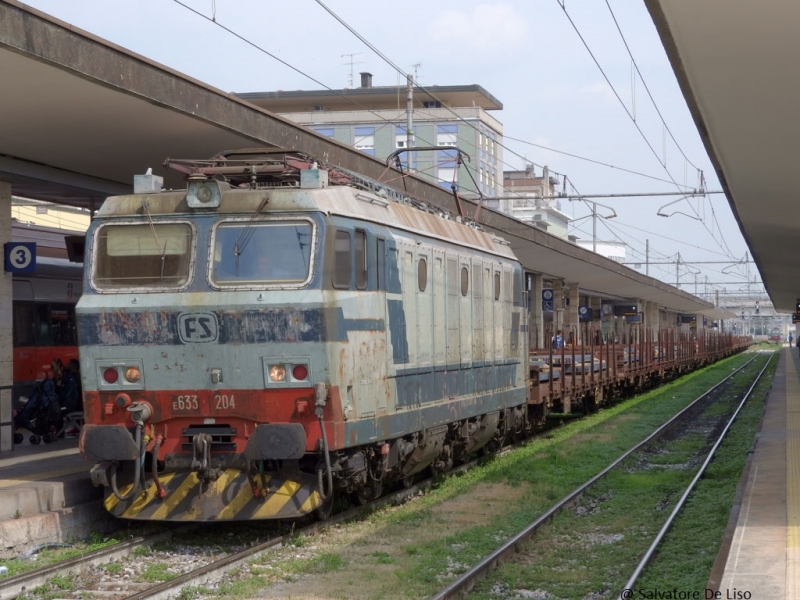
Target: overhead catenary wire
349,99
647,89
614,233
590,160
387,122
414,81
723,244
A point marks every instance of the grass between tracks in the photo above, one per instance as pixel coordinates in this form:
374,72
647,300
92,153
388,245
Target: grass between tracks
590,551
414,550
687,554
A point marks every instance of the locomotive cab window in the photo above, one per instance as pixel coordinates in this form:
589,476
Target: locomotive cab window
261,252
155,255
341,260
361,260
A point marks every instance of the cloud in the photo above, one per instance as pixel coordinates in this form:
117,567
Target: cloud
593,93
602,91
487,31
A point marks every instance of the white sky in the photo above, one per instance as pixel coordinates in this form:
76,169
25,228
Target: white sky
523,52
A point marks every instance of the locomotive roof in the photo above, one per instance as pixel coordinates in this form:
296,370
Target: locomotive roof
252,181
342,201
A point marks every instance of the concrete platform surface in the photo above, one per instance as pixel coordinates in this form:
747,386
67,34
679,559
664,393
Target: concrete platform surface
764,556
46,496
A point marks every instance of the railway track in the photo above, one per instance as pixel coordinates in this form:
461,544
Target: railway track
511,548
213,570
24,585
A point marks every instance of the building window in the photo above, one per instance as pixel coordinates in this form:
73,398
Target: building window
447,176
447,135
364,138
422,274
464,281
326,131
401,137
431,104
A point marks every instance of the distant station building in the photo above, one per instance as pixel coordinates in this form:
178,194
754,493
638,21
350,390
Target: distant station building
614,250
46,214
374,120
533,199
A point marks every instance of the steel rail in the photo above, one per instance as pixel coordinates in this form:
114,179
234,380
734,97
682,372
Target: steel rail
627,591
467,580
11,587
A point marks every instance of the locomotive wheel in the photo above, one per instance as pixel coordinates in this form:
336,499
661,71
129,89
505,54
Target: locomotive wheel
18,438
48,438
366,494
34,439
408,481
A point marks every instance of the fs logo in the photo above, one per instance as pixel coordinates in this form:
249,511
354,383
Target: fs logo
198,327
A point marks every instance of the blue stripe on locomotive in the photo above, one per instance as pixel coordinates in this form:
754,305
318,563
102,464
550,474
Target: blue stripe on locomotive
490,385
422,417
263,326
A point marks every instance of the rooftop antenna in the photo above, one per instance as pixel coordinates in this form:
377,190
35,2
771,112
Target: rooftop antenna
351,62
416,67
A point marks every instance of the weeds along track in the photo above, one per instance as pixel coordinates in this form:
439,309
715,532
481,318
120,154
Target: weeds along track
685,443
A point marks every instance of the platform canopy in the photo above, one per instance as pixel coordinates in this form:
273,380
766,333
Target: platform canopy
737,64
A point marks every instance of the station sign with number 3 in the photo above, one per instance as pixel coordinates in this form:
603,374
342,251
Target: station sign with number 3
20,257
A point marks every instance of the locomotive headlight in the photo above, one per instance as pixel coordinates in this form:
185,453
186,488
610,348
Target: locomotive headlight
277,372
133,374
204,194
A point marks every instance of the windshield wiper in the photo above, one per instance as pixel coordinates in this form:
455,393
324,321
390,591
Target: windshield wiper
155,237
246,234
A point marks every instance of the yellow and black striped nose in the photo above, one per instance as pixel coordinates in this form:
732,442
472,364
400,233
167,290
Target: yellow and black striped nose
228,498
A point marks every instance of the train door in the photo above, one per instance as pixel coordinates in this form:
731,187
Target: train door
507,311
465,310
477,312
439,300
381,391
410,302
497,305
424,307
453,313
488,326
406,382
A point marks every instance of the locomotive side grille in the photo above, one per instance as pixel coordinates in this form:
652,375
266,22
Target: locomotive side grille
222,437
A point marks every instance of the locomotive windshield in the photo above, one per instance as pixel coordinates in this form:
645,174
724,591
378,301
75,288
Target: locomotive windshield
155,255
262,252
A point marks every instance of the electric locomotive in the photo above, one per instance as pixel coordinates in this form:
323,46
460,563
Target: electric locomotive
279,332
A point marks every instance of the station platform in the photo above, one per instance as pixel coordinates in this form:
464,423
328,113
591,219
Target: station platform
46,496
764,554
